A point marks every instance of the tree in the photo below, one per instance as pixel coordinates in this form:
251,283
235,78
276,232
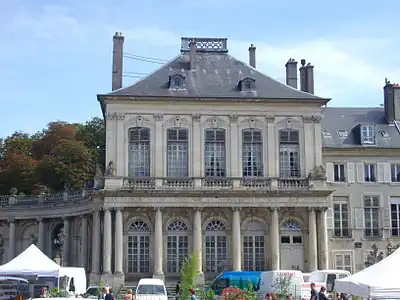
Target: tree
374,256
17,143
189,274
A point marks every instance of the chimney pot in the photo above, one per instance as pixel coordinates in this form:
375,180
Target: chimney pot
252,56
291,73
192,54
303,62
117,67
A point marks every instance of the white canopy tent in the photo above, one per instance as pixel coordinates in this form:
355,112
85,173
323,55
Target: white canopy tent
379,281
31,262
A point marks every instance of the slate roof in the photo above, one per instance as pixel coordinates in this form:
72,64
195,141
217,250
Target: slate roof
338,120
216,76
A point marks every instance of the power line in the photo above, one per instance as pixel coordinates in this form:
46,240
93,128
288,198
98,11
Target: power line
135,73
133,76
145,59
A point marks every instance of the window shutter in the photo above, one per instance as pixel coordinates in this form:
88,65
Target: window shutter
381,172
387,172
329,218
360,172
350,173
329,172
386,218
358,218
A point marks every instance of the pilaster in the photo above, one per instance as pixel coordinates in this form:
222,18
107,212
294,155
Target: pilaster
158,244
236,241
274,239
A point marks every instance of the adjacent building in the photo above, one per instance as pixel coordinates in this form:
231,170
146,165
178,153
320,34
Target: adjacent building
208,154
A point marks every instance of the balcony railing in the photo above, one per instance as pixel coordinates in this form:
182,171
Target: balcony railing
45,199
214,183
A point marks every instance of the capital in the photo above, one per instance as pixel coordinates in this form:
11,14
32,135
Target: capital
11,220
196,118
119,209
158,117
273,209
38,220
233,118
236,209
270,118
197,209
311,209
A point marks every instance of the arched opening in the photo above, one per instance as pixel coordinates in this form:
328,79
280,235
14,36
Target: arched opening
139,247
177,245
253,247
216,247
57,242
292,246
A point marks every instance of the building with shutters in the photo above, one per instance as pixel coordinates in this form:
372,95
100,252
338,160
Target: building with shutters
208,154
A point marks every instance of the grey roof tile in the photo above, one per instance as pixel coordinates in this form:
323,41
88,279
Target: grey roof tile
216,76
337,120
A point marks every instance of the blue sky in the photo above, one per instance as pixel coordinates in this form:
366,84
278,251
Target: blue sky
56,55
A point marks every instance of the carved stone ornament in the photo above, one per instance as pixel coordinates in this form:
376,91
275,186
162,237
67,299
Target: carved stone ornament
115,116
139,121
270,118
196,118
317,173
110,171
120,116
311,119
177,122
233,118
158,117
214,123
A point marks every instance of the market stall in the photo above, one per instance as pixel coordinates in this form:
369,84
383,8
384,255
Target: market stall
379,281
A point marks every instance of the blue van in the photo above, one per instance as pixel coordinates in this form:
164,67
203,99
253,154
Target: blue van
236,279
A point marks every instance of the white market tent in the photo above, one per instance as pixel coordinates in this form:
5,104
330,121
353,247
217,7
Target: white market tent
31,262
379,281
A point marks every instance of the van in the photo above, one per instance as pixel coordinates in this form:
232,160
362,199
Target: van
151,289
287,282
70,279
236,279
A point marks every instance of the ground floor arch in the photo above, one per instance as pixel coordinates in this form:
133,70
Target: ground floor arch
139,250
254,250
291,246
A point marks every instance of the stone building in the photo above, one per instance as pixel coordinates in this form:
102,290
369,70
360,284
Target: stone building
207,154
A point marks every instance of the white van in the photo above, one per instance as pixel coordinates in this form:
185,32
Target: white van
323,278
76,280
151,289
275,281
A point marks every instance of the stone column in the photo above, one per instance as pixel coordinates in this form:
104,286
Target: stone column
84,242
197,240
11,235
274,239
96,244
323,238
119,241
66,243
40,223
158,245
107,242
236,241
312,241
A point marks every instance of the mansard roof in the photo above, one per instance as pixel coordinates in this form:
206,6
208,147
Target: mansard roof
216,75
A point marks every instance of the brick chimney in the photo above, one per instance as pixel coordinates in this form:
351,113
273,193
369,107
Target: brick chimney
391,104
117,68
193,50
252,56
306,77
291,73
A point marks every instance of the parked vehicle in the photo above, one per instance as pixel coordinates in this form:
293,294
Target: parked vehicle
151,289
323,278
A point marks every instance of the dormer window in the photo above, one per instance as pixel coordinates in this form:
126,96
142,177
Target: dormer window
247,84
367,134
177,82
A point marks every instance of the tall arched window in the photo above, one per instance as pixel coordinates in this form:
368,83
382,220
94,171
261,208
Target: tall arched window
139,152
252,153
253,247
215,153
139,247
216,246
289,153
177,152
177,245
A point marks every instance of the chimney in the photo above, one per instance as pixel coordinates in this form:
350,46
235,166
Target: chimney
291,73
391,101
193,48
306,77
252,56
117,68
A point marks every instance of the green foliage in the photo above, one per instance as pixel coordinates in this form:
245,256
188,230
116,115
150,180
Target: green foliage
61,155
282,286
188,275
249,293
206,294
57,293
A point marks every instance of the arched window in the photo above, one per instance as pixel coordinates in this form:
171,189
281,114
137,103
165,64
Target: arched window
177,245
177,152
253,247
139,247
139,152
252,153
216,247
215,153
289,156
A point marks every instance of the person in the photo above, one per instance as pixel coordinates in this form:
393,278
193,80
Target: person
44,293
129,295
177,290
109,295
192,294
289,297
104,292
314,294
268,296
322,294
